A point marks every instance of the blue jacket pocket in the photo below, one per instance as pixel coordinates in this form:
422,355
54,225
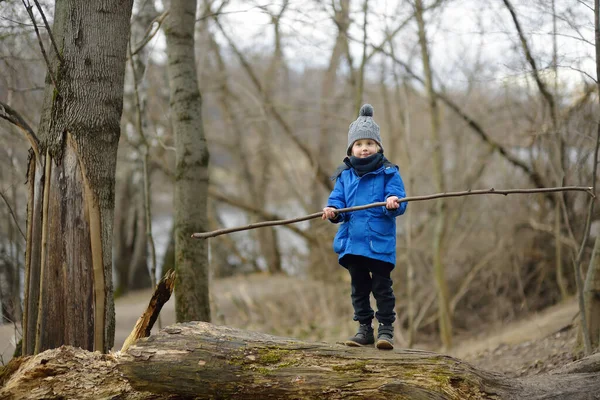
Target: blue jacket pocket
382,235
339,242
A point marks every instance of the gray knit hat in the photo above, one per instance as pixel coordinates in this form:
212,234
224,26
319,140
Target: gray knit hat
364,128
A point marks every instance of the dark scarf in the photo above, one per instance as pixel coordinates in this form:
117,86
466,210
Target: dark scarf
365,165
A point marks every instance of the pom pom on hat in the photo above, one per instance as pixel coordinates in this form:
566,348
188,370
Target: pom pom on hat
366,111
364,128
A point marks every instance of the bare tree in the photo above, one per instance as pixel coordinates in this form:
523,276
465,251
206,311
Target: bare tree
71,180
322,260
135,255
274,74
445,322
191,176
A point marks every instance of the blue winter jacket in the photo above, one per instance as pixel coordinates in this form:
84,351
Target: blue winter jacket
371,232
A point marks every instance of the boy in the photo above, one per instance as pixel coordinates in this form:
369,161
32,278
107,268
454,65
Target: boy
366,239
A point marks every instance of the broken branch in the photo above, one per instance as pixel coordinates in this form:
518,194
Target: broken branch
144,324
205,235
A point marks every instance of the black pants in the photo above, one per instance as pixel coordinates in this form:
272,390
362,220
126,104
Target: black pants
371,276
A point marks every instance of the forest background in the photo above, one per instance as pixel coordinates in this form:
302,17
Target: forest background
503,96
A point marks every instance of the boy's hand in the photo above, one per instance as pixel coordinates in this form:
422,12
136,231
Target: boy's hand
328,213
391,203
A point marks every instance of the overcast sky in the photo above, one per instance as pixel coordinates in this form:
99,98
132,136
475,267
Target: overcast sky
463,35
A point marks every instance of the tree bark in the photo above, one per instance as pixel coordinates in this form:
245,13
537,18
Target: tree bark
191,177
68,292
203,361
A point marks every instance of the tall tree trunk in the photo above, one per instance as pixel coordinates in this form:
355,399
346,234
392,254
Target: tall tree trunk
254,175
144,19
68,289
445,323
228,101
323,261
191,176
267,238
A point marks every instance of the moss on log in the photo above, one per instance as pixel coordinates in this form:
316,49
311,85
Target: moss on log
204,361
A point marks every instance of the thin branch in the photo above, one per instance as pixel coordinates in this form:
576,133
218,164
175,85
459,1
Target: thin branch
231,200
582,39
534,176
270,109
219,13
541,85
465,285
567,240
583,3
49,31
37,33
578,70
389,36
12,214
205,235
7,113
150,32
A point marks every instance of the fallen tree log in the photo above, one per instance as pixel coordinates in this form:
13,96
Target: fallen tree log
204,361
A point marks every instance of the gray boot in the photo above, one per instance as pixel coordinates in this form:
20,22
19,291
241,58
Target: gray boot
363,337
385,337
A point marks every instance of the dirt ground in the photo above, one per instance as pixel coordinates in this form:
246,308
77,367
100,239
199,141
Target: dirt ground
539,343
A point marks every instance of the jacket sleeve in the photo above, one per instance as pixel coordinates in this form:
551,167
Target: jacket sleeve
394,186
337,199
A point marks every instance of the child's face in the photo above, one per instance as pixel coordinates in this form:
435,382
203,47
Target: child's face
364,148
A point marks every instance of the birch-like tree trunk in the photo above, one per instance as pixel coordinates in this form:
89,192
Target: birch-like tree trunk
68,271
445,322
191,175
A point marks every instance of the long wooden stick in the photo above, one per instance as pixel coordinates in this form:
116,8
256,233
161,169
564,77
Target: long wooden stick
206,235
